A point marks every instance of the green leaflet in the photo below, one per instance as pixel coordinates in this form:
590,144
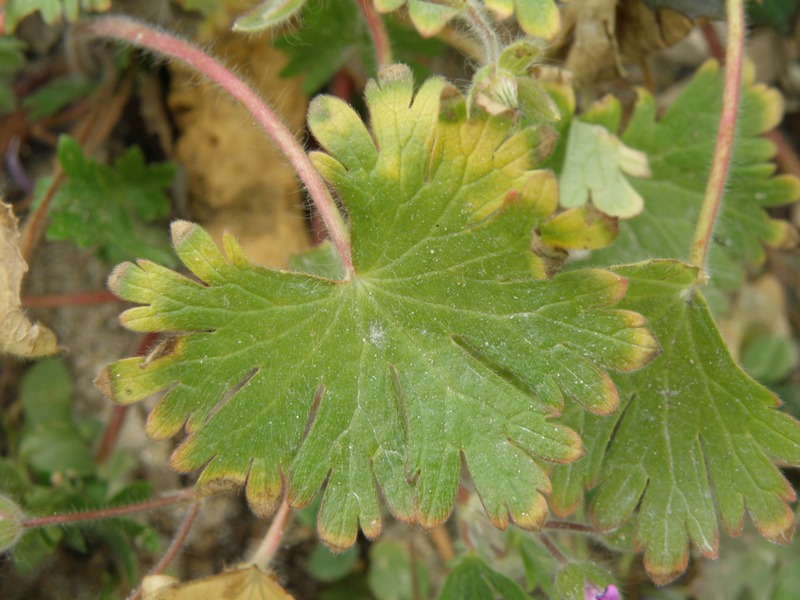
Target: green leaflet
679,146
444,347
694,440
51,10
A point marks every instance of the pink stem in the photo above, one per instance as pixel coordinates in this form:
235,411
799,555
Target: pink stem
79,299
269,545
156,41
715,188
377,30
174,547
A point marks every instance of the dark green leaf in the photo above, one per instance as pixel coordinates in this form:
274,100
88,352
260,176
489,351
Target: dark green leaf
472,579
110,208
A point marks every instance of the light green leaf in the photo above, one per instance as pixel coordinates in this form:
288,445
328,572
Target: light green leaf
473,579
539,18
444,347
594,169
695,440
430,16
573,579
266,14
680,146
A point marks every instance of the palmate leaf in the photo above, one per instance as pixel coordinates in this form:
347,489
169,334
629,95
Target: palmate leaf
340,28
680,146
694,441
444,346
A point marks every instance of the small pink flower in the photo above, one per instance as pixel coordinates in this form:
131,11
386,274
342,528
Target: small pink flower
592,593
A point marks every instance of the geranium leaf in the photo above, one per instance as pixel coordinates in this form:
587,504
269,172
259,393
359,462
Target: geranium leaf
680,146
696,436
445,346
111,207
340,28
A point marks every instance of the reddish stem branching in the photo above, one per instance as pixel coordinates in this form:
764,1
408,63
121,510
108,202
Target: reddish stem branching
79,299
165,44
108,513
266,550
378,33
570,526
174,547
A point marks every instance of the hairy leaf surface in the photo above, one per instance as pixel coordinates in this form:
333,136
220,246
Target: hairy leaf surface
444,347
680,146
695,439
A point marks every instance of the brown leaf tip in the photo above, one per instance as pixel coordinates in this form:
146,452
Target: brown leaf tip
179,230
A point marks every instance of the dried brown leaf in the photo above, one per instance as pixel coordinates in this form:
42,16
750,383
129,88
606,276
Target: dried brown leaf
18,335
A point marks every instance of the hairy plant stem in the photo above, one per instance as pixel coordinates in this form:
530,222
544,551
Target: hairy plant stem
553,549
107,513
475,16
78,299
378,33
266,550
148,38
174,547
723,150
570,526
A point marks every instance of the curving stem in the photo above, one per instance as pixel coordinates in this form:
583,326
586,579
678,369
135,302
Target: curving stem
715,188
144,36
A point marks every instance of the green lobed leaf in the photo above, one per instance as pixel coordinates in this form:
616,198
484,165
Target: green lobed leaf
110,207
680,146
445,346
472,579
695,439
54,96
51,10
339,27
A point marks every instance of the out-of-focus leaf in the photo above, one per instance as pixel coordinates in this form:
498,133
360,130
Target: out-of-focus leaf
390,576
338,27
472,579
584,581
326,566
18,335
268,13
781,15
769,358
51,10
110,208
51,98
